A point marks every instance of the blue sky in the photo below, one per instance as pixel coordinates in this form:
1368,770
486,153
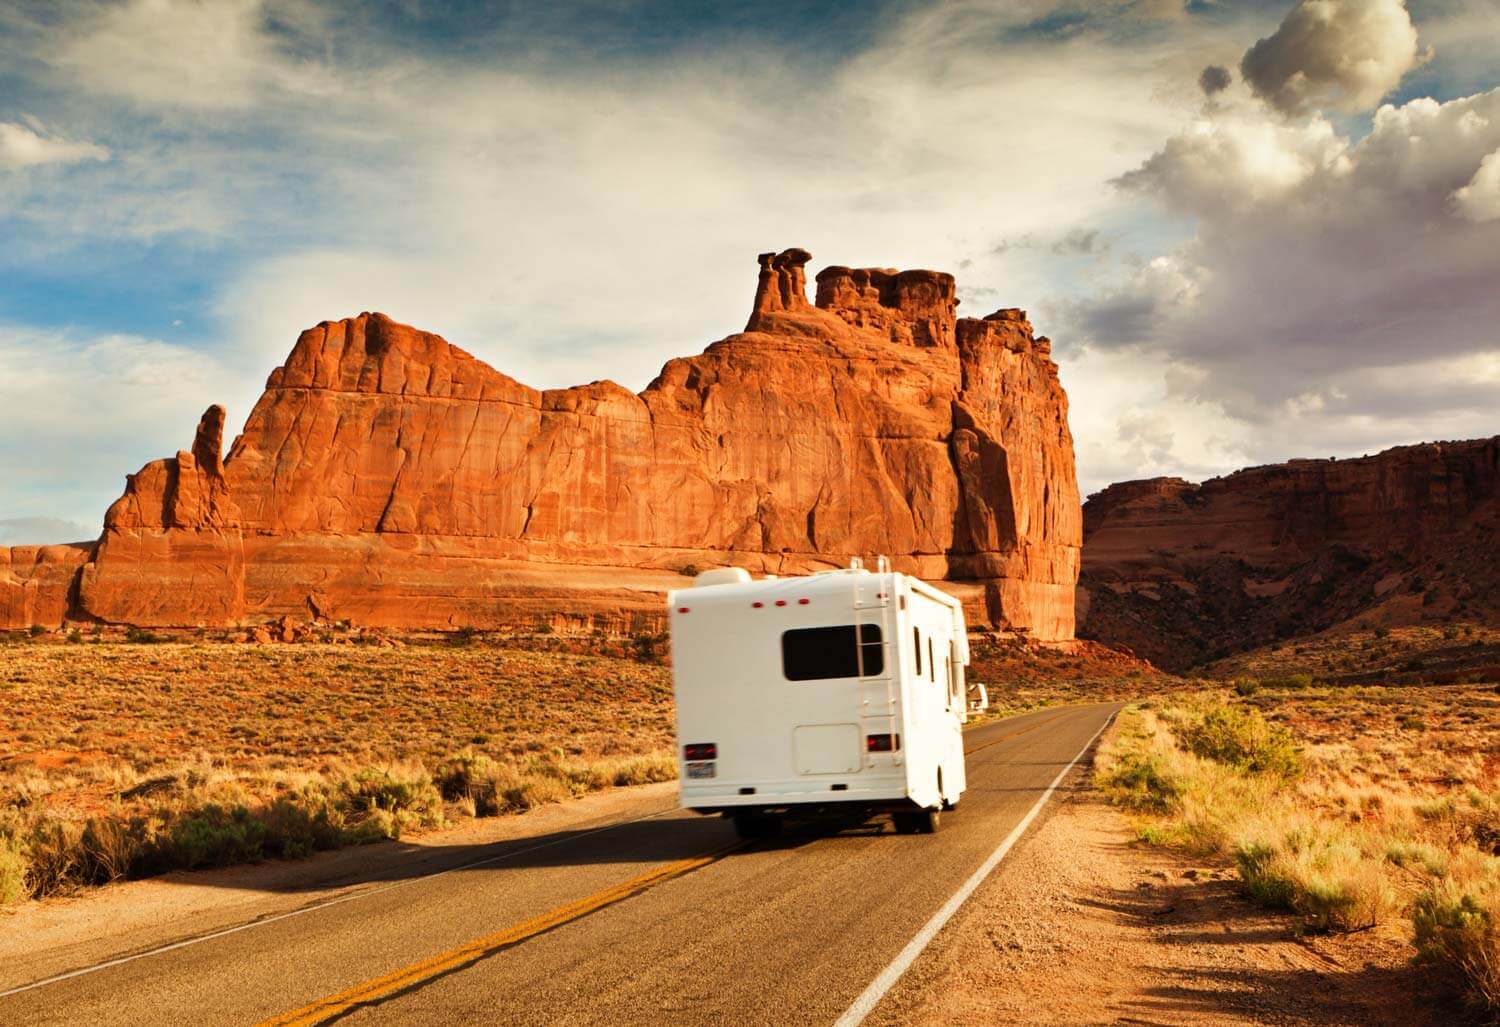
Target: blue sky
1298,265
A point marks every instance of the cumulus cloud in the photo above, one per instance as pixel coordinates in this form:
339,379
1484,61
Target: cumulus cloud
1480,199
1327,279
1236,160
1214,79
564,220
30,144
1340,54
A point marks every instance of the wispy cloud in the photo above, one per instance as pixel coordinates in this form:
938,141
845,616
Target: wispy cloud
29,144
578,203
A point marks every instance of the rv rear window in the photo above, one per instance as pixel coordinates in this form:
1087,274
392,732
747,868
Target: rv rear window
817,654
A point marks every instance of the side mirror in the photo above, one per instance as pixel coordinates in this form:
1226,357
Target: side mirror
980,703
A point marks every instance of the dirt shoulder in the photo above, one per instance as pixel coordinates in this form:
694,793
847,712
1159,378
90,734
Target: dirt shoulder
55,935
1081,925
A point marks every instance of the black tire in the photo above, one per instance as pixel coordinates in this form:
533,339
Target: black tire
916,822
753,825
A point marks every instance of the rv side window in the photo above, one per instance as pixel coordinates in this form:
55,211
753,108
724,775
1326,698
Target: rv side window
916,638
931,663
817,654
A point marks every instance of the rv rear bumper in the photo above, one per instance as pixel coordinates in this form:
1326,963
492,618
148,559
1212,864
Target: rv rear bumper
770,797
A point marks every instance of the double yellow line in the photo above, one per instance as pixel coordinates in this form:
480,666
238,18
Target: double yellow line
435,966
429,969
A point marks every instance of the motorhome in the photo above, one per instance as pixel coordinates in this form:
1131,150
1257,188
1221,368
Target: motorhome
841,691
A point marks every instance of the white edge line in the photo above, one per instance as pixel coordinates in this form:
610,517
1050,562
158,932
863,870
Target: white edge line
888,977
302,910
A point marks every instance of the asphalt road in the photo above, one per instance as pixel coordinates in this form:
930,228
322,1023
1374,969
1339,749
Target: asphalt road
664,918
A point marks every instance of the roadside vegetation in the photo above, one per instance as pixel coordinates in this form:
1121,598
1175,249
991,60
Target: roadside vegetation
1021,675
1441,654
128,759
1355,808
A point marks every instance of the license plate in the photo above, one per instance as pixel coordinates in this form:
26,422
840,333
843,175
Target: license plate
701,770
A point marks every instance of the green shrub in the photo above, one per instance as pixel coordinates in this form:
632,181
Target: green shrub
408,795
141,636
1143,781
214,837
1319,872
1265,878
1240,737
37,629
1457,923
298,826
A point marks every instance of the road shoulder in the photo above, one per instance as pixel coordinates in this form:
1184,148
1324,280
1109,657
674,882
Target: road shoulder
39,939
1084,925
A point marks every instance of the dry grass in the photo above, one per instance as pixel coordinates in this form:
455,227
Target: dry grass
127,759
1447,654
1021,675
1353,806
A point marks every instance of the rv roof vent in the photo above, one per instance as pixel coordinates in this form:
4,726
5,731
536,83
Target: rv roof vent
722,576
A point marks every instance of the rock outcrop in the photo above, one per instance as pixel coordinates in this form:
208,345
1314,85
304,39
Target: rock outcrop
1183,573
389,478
38,584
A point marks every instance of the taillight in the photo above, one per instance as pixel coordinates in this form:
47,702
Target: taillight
882,743
701,751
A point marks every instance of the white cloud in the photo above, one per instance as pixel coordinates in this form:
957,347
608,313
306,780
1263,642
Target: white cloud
30,144
1480,199
1341,54
1337,298
31,531
1234,160
81,412
567,228
163,54
569,220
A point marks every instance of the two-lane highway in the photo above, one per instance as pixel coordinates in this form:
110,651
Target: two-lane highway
661,918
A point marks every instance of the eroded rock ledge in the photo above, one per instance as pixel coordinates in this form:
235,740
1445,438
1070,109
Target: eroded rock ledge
389,478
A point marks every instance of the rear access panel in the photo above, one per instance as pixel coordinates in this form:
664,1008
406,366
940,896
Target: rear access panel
827,748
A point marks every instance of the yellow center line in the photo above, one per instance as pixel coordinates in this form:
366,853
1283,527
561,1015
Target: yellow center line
428,969
1013,734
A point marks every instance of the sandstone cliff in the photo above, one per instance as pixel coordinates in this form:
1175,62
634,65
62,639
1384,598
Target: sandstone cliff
1182,573
389,478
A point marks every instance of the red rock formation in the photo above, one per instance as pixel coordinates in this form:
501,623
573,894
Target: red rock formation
390,478
1181,572
172,542
37,583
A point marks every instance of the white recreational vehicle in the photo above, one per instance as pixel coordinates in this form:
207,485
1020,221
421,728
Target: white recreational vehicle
833,692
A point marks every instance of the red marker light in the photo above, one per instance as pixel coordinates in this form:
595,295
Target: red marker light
757,604
781,602
802,602
682,609
882,743
701,751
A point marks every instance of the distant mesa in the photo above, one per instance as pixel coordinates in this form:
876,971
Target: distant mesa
390,479
1184,573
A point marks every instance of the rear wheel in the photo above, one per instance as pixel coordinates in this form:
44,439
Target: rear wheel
917,822
753,824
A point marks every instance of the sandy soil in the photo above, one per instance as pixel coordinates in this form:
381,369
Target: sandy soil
1082,926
